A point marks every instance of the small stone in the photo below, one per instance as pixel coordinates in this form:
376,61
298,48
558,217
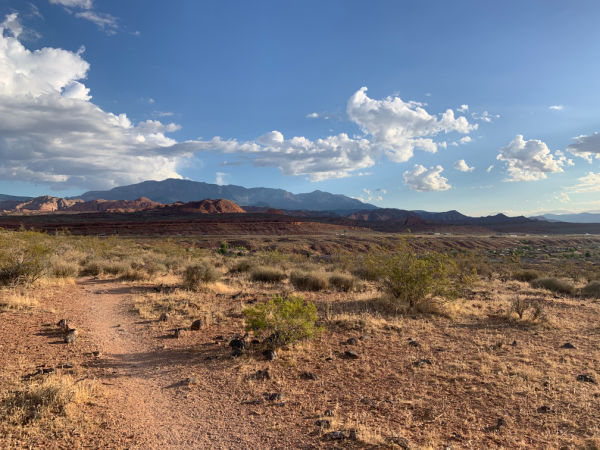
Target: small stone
545,409
568,345
323,423
328,413
236,352
336,436
191,381
270,354
413,343
70,336
273,397
237,343
421,362
196,325
63,324
349,354
584,377
309,376
163,317
352,341
96,353
262,375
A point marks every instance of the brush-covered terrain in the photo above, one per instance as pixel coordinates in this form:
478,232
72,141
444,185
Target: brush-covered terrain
362,340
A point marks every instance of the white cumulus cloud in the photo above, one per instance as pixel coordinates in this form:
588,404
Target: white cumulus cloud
312,115
423,180
530,160
398,127
556,107
463,108
587,183
462,166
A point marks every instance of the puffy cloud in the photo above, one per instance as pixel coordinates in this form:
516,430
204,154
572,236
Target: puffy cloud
587,183
556,107
586,146
463,108
312,115
530,160
85,4
485,116
398,127
51,133
462,166
423,180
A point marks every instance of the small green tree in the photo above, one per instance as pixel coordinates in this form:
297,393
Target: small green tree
26,263
286,319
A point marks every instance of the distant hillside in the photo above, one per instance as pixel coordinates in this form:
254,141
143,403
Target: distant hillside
172,190
220,206
443,218
585,217
13,198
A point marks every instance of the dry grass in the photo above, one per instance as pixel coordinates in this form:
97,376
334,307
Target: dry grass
267,275
43,398
554,285
309,281
17,300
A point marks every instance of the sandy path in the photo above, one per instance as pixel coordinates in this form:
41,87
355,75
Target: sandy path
145,382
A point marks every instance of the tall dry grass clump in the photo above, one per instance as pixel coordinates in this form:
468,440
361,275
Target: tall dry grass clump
309,281
555,285
197,275
591,290
267,275
343,282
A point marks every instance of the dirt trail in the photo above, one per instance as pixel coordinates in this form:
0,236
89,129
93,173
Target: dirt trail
147,396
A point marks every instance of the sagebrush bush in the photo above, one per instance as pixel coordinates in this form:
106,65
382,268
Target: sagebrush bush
63,269
267,275
285,319
533,307
592,289
197,275
411,281
135,275
554,285
342,282
309,281
25,264
91,268
244,265
526,275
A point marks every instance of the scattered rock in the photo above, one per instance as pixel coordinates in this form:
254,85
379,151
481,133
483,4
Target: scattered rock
351,341
412,342
309,376
270,354
273,396
568,345
584,377
399,442
545,409
262,375
349,354
328,413
514,343
196,325
237,352
238,343
63,324
323,423
96,353
421,362
336,436
70,335
191,381
163,317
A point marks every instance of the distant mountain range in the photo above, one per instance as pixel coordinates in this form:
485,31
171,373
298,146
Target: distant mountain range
173,190
585,217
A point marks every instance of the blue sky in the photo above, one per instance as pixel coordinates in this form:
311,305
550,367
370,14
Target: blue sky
119,92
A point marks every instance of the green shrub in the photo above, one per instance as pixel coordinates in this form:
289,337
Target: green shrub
309,281
199,274
25,264
342,282
592,289
267,275
370,266
554,285
526,275
285,319
411,281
